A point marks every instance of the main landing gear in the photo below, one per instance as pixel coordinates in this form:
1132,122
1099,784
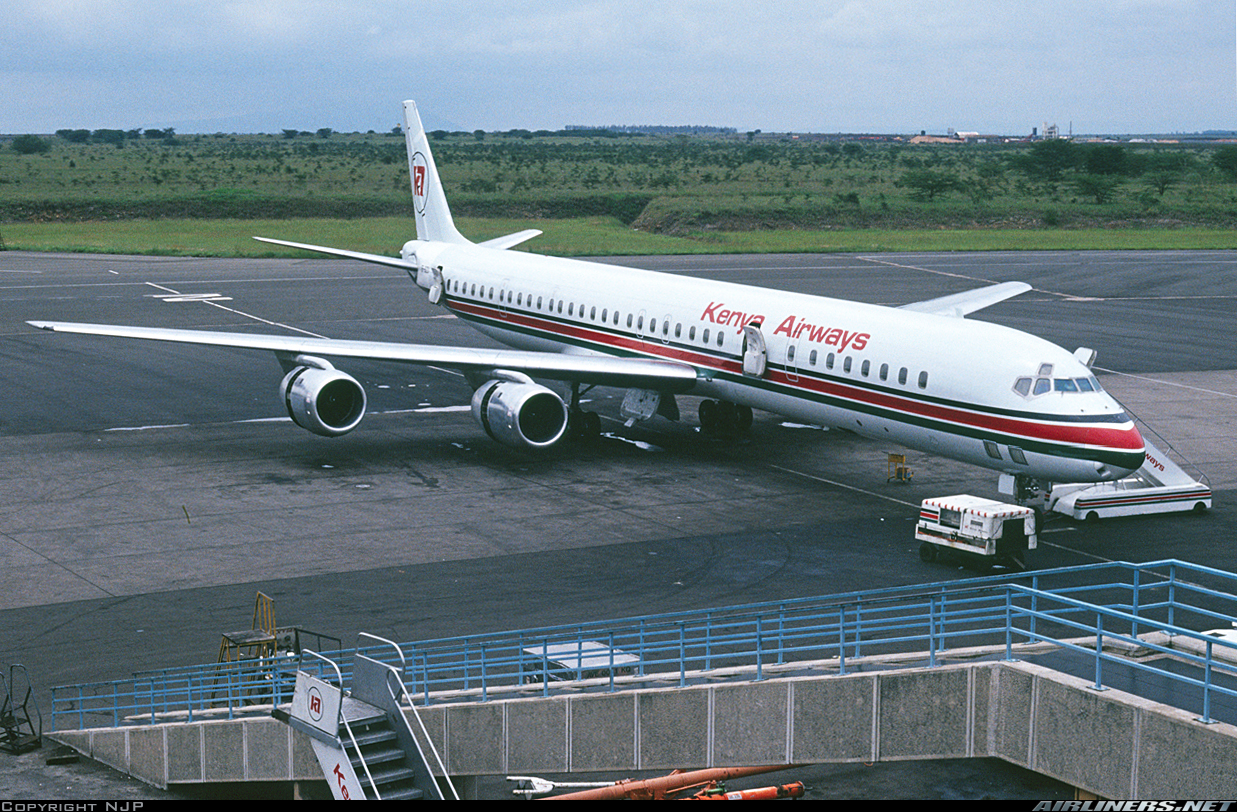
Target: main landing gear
582,426
722,416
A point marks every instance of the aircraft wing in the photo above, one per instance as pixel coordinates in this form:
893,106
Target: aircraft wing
960,304
640,373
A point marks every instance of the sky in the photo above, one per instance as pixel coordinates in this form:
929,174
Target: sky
902,66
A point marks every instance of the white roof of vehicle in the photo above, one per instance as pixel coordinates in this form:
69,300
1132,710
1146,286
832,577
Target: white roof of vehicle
988,508
586,654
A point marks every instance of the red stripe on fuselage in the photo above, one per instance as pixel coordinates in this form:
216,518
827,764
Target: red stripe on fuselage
1091,436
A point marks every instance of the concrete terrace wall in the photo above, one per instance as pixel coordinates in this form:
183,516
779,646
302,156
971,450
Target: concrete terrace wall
1109,743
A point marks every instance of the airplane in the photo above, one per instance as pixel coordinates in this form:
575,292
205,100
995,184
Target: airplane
922,375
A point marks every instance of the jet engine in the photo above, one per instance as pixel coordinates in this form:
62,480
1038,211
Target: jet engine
523,415
324,401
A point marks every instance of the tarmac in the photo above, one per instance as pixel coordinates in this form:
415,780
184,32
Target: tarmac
151,492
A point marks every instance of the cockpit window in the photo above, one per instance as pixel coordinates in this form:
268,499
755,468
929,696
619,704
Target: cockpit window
1029,387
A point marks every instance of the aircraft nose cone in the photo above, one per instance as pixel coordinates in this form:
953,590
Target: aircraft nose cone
1126,458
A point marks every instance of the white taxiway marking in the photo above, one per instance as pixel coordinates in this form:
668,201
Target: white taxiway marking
215,303
847,487
1168,383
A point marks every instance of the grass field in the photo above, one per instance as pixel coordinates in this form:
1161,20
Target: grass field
594,236
595,195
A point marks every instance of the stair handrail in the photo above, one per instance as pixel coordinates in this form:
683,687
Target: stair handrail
340,719
1143,427
403,661
401,696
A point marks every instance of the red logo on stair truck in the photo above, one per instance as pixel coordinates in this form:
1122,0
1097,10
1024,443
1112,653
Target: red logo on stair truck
315,704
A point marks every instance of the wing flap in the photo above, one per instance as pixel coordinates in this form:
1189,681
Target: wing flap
640,373
961,304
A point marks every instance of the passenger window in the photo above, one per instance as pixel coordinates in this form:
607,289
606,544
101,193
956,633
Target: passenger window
811,359
790,353
678,330
629,321
691,334
721,337
829,361
705,336
592,314
652,325
923,380
605,315
846,364
884,372
863,370
902,376
538,302
571,309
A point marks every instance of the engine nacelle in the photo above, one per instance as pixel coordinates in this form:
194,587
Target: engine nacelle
523,415
324,401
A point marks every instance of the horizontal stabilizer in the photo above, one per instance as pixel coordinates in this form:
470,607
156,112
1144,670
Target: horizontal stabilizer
512,239
961,304
394,262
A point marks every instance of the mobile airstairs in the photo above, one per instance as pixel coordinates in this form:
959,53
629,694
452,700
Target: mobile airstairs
1159,486
362,736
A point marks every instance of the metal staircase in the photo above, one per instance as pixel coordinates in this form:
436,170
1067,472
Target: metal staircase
363,737
18,731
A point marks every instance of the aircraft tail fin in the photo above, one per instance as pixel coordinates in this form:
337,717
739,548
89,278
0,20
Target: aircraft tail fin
433,216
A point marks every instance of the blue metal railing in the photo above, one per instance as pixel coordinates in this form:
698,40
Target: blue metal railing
1118,603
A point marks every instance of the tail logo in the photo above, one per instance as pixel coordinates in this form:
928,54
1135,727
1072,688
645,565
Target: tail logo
420,172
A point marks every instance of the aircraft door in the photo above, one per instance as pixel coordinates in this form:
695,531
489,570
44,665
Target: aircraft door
504,291
755,352
792,362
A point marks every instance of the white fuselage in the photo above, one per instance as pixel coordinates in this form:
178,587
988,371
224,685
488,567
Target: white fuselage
940,384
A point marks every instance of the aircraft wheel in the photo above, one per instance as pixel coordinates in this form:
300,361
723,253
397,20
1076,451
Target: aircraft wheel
709,415
585,426
743,420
